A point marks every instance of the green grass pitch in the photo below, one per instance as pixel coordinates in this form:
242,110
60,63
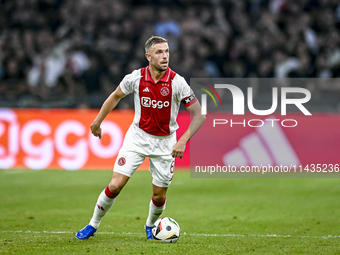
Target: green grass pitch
40,212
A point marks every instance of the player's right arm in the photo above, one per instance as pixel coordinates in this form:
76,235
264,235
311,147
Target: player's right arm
109,104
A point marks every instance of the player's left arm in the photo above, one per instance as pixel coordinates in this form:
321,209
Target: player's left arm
195,124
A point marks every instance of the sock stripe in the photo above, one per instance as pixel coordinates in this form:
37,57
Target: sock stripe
109,194
158,204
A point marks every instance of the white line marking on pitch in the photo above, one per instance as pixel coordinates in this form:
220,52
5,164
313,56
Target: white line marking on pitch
185,234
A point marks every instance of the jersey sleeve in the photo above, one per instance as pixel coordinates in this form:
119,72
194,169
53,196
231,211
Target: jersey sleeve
186,95
127,84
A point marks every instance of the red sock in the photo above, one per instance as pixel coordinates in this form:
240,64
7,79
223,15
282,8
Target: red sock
158,204
109,194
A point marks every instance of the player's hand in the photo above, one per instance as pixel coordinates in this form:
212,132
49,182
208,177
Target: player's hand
178,149
96,130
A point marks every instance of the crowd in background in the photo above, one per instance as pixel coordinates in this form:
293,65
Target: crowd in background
74,53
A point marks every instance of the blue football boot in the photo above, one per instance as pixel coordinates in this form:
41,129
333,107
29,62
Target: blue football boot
148,232
86,232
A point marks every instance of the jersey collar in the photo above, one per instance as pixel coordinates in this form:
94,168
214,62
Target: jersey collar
165,78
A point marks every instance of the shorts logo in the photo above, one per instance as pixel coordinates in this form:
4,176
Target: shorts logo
165,91
121,161
172,170
147,102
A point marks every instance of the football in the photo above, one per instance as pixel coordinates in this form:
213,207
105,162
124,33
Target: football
166,230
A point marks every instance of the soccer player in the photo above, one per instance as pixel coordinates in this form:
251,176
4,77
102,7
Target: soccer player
158,92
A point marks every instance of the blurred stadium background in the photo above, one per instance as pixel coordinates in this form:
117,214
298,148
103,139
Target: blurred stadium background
72,54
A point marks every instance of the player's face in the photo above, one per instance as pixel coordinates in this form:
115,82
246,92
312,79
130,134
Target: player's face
158,56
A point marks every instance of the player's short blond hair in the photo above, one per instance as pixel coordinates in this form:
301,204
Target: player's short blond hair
154,40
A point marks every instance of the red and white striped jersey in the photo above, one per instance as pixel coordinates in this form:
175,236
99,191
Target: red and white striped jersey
157,105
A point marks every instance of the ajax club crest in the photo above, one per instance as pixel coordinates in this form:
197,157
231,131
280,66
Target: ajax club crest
165,91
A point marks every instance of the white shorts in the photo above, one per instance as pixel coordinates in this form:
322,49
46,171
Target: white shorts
137,145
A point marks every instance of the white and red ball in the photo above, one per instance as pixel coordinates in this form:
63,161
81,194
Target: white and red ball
166,230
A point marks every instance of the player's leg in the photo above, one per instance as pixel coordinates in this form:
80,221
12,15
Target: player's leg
104,202
157,204
156,208
108,197
162,171
126,164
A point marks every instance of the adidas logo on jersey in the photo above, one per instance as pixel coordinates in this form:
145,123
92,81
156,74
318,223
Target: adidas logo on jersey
146,89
